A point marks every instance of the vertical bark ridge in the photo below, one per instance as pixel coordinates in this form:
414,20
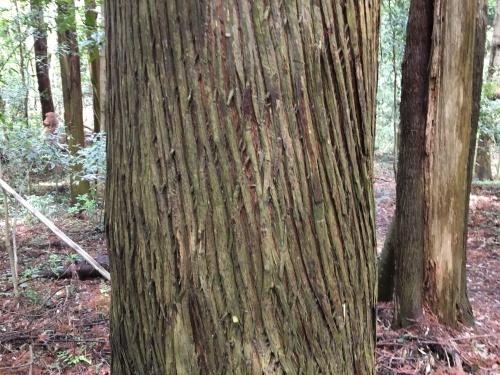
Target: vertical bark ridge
448,139
409,217
69,60
252,167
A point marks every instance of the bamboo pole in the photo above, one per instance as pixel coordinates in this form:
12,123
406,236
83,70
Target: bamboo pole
86,256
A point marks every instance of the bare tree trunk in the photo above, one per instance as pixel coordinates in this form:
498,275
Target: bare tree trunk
41,59
483,152
72,89
8,242
102,89
94,61
447,145
483,158
22,66
494,63
465,312
409,215
431,199
240,209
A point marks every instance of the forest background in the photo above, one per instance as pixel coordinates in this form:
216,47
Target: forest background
62,327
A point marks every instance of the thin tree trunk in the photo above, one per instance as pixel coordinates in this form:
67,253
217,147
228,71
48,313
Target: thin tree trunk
22,66
41,59
102,77
483,152
102,84
386,267
8,242
240,210
72,89
394,96
466,314
94,61
409,215
483,158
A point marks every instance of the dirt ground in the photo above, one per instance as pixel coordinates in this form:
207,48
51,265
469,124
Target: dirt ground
429,347
61,326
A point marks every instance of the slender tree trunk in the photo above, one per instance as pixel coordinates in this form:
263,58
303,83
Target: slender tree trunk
395,107
494,63
240,210
386,267
102,78
409,215
72,89
7,240
41,59
94,61
466,314
483,153
102,89
22,66
483,158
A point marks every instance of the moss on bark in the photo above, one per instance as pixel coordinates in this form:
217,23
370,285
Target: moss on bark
240,210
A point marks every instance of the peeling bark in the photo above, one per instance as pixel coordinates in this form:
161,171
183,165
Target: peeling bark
447,147
432,187
240,208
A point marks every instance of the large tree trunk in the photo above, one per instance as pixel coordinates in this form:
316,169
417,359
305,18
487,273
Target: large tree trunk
431,207
69,59
41,58
447,147
94,61
240,210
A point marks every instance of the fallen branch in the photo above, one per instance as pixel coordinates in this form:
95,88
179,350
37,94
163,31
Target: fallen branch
475,337
56,230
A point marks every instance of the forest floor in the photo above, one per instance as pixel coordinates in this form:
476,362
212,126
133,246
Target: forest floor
61,326
429,347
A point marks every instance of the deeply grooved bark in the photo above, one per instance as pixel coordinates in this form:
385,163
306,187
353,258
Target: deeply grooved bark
240,202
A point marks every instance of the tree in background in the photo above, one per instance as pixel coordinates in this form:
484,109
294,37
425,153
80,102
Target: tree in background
69,59
41,57
386,262
409,221
477,84
93,38
394,16
431,193
486,134
23,68
240,210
